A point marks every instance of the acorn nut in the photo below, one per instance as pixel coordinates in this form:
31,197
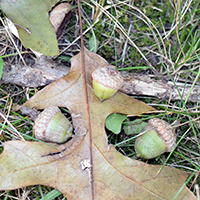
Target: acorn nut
157,139
106,82
52,126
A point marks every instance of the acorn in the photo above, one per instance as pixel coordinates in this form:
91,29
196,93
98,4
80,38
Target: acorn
157,139
52,126
106,82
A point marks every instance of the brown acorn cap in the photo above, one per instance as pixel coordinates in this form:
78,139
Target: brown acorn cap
165,131
42,121
109,77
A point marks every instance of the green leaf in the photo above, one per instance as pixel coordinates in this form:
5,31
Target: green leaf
31,17
134,127
93,44
1,67
114,122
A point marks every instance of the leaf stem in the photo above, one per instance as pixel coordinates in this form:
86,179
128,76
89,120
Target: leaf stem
86,100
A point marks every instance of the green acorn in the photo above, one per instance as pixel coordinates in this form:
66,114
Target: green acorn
106,82
157,139
52,126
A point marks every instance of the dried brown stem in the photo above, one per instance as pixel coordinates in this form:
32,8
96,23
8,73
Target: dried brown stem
45,72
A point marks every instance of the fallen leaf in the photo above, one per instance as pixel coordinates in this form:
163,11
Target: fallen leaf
68,168
134,127
58,17
32,21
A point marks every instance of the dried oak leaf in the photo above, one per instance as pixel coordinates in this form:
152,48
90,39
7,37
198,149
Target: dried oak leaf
68,168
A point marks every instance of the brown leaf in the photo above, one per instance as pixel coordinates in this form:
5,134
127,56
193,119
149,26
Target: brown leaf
60,16
68,168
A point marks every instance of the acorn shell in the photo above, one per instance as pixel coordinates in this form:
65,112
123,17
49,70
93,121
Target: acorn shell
106,81
164,131
52,126
157,139
109,77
